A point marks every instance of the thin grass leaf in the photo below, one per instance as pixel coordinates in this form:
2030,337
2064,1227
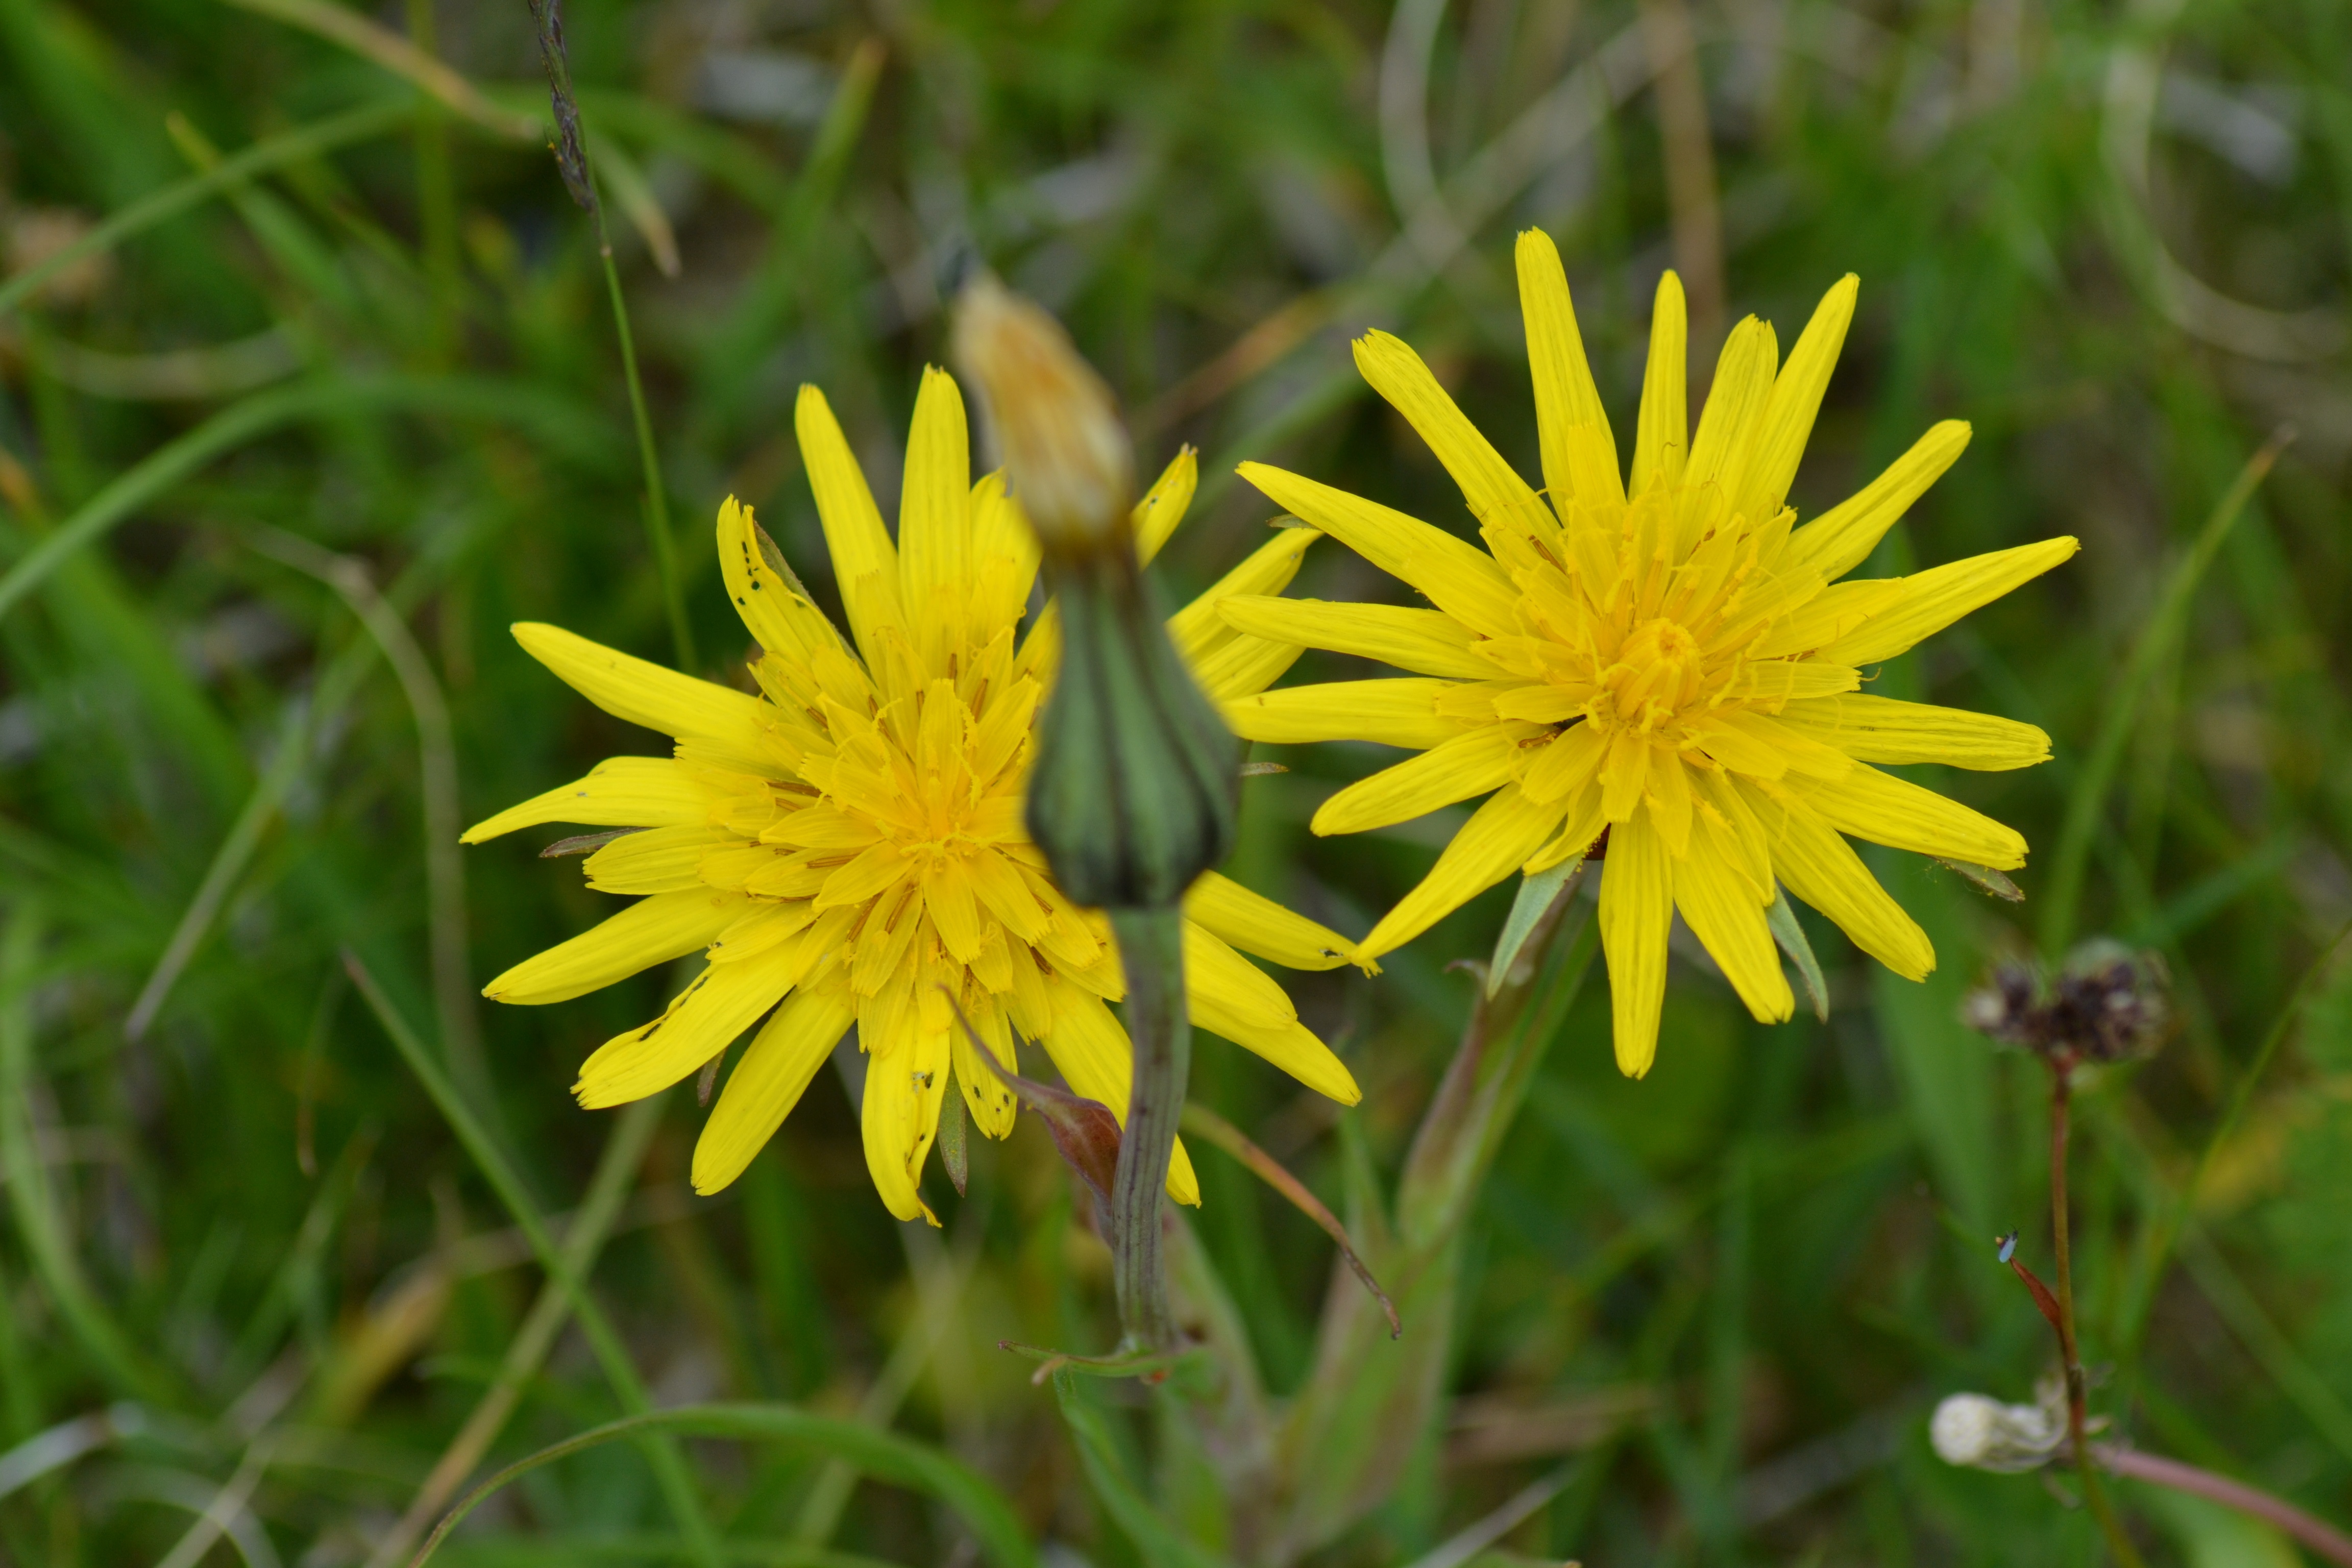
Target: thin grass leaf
611,1354
2165,625
245,422
1156,1538
45,1237
982,1509
294,146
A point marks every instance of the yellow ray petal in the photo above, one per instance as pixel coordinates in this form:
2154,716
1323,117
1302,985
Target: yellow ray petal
1256,924
767,1083
720,1005
935,498
1427,642
1795,752
1577,830
1886,810
649,931
1097,1059
865,562
1881,730
1401,712
1624,772
906,1078
992,1105
998,529
1564,766
780,618
1467,764
1820,868
1937,597
1542,702
1459,578
1637,893
948,897
878,868
1725,916
1736,749
1773,683
657,860
1497,841
1245,666
1826,616
1226,994
1842,537
624,791
1735,406
1155,517
1566,398
1795,400
1662,440
643,693
1667,795
1495,493
1200,628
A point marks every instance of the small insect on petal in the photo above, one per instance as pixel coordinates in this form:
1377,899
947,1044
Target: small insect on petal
2008,1246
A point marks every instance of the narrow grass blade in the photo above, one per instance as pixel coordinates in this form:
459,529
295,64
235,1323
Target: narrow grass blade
351,28
292,147
612,1355
526,1352
1790,935
1156,1541
45,1237
436,759
987,1514
2165,624
256,416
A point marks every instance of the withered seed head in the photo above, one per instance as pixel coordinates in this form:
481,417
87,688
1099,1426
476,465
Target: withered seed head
2107,1004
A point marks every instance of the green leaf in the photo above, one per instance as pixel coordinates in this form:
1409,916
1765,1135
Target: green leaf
1159,1542
1538,893
1790,935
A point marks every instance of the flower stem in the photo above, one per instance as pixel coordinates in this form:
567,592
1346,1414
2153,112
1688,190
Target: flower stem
2094,1494
656,514
2321,1537
570,149
1151,948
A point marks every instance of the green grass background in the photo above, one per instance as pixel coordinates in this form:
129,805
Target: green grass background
1714,1306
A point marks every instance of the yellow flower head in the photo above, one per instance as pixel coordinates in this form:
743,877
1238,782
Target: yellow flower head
1666,659
848,845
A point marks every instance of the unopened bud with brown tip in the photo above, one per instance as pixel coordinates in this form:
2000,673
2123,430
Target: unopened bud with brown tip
1132,794
1053,422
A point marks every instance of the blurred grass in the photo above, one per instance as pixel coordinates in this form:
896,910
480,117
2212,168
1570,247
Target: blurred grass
1724,1297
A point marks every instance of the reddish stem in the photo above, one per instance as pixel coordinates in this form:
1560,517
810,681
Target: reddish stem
2324,1538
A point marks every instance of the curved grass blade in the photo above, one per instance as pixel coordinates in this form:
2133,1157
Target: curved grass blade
292,147
558,419
611,1354
2164,627
1157,1541
990,1518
